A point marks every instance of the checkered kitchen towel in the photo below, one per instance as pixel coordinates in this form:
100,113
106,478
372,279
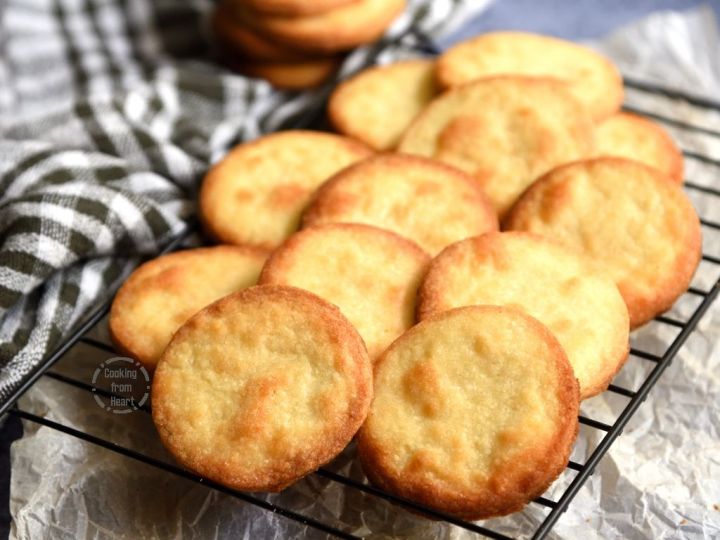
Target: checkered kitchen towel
110,112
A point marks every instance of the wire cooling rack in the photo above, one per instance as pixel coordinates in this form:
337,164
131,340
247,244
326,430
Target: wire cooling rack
643,98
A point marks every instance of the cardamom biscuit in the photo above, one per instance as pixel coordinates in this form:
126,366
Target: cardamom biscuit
474,414
339,29
293,75
160,295
578,303
296,8
261,388
378,104
235,37
634,137
628,218
256,194
371,274
505,131
590,77
424,200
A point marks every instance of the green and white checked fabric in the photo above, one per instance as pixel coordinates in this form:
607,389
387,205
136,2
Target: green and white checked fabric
110,112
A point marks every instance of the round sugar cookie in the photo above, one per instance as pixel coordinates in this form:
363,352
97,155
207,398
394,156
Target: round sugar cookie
261,388
505,131
163,293
579,304
256,194
339,29
590,77
238,38
294,75
634,137
371,274
424,200
378,104
474,414
626,217
296,8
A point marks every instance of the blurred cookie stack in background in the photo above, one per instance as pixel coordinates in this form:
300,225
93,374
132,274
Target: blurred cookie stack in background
297,44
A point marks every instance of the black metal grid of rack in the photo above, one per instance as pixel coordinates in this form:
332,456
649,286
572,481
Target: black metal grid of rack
581,471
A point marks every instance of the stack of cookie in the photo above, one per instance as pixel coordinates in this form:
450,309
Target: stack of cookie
376,293
297,44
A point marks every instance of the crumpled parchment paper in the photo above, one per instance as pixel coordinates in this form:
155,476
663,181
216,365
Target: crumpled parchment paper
661,478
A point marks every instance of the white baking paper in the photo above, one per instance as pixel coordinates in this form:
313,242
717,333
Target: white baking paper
661,478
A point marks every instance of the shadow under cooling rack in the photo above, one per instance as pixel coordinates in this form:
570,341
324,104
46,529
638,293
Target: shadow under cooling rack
655,361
